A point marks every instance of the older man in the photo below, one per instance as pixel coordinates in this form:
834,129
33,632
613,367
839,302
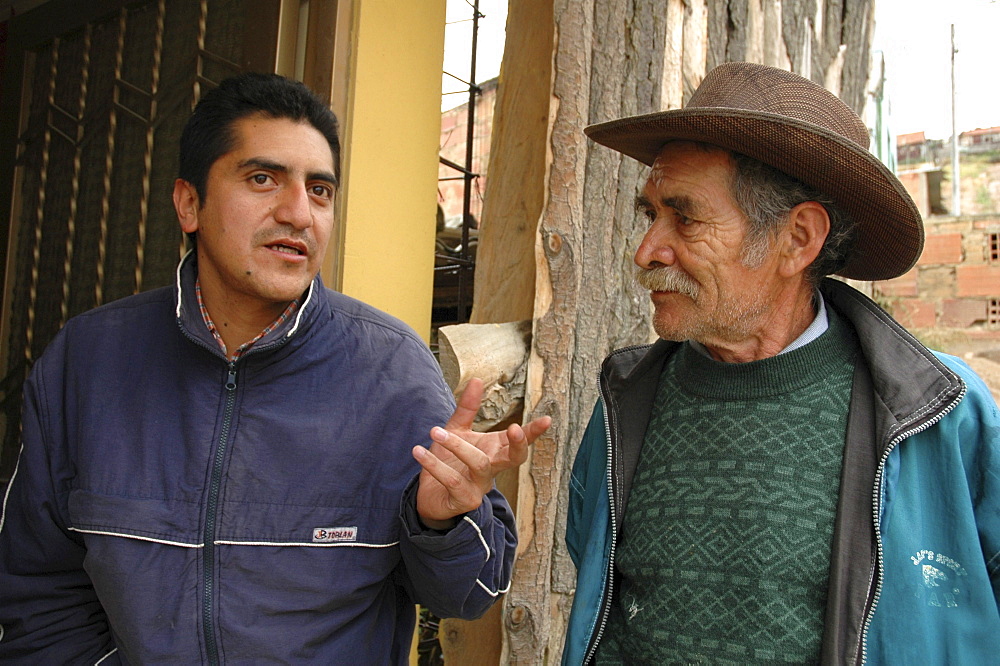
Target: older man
787,475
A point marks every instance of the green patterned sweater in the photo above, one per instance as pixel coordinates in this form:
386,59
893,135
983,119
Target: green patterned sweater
724,551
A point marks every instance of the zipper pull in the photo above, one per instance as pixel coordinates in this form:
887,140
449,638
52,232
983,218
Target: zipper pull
231,379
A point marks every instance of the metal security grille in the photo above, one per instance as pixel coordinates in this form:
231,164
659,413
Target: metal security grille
94,220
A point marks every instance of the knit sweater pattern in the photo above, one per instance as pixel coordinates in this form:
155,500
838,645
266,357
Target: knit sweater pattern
725,547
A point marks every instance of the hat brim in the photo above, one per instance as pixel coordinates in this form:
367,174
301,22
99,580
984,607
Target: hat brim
890,230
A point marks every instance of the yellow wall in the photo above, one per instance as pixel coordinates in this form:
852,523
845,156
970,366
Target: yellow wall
391,132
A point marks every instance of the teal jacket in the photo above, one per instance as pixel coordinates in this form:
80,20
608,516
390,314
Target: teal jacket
915,565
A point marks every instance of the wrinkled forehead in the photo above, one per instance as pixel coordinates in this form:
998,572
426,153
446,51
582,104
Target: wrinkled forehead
691,163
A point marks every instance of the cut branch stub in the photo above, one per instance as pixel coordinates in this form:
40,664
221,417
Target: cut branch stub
497,354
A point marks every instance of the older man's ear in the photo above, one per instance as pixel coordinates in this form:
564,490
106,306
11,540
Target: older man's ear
803,237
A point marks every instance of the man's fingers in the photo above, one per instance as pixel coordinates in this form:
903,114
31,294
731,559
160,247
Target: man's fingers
519,438
435,466
448,505
517,446
468,406
444,473
477,461
536,428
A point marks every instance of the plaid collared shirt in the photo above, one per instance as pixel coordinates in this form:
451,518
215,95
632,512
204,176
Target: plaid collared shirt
289,311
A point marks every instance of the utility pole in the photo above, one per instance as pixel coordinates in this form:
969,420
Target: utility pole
956,190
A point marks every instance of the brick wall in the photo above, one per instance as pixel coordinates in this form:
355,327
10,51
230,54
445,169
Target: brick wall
454,131
954,281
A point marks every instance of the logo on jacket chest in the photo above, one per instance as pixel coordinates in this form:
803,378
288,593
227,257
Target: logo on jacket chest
942,578
332,534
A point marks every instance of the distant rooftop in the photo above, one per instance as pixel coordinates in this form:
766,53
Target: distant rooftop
910,139
981,131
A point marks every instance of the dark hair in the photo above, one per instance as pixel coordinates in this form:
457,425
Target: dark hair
209,133
766,196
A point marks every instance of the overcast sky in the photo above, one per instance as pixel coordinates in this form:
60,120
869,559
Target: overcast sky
915,36
458,46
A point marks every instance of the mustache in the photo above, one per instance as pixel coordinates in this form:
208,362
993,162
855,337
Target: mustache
666,278
268,236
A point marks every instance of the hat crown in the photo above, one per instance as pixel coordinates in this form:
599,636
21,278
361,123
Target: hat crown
751,87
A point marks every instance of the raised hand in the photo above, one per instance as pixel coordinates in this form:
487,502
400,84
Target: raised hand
460,465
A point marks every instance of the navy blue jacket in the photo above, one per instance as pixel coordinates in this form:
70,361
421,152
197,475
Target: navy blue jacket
171,506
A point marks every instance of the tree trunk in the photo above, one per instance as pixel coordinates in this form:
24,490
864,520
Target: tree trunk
609,63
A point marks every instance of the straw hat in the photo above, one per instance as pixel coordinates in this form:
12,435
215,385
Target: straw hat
801,129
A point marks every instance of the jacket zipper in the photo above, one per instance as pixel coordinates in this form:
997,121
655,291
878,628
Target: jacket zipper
211,515
610,587
877,493
208,537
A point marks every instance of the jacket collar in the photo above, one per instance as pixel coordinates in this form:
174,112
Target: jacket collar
193,325
888,348
890,351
